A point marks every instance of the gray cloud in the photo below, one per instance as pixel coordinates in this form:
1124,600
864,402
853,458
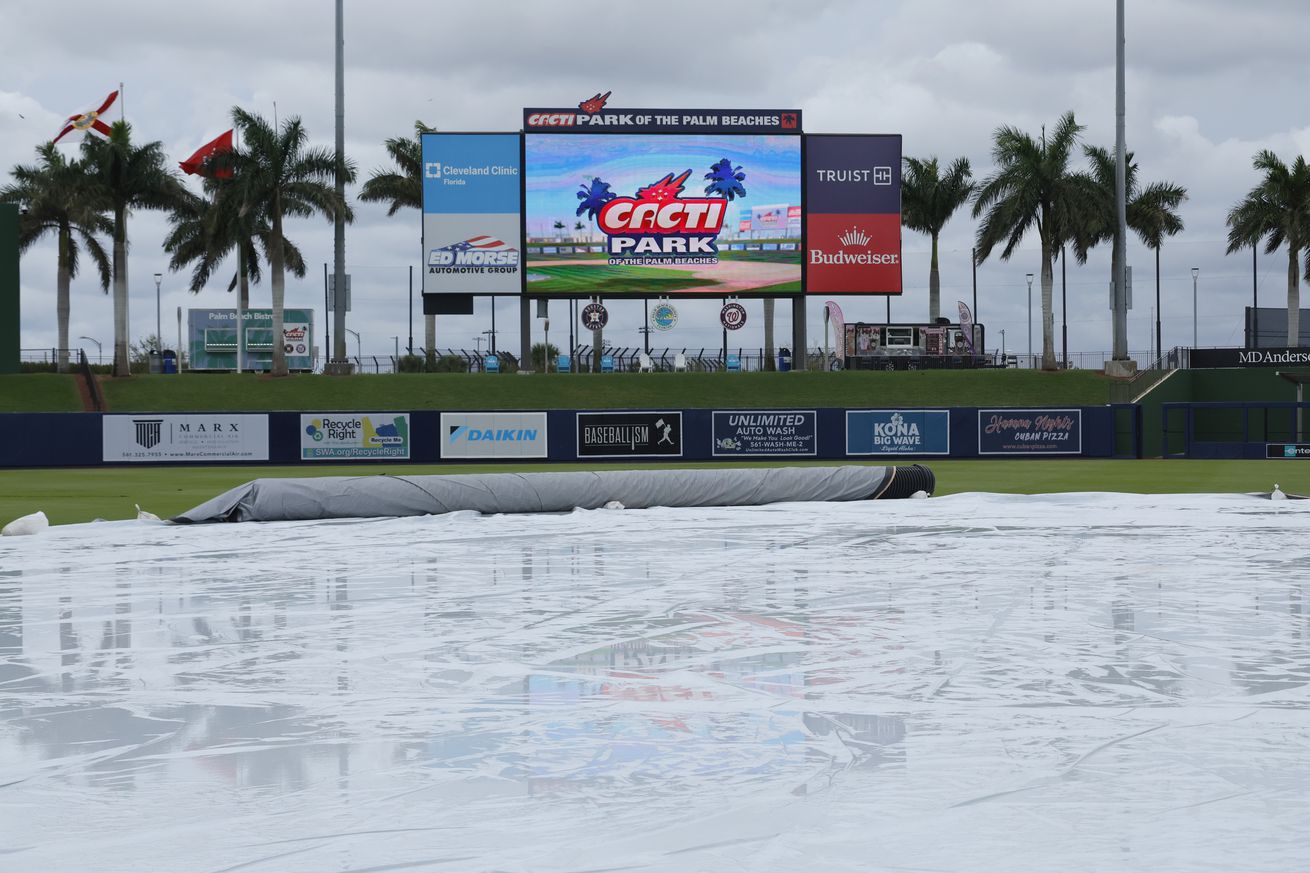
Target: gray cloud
1211,82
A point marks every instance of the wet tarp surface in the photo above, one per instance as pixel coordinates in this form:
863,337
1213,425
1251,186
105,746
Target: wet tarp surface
980,683
391,496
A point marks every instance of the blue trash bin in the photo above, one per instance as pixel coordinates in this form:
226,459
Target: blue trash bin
784,360
169,362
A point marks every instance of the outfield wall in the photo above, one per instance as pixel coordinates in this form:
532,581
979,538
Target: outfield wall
526,436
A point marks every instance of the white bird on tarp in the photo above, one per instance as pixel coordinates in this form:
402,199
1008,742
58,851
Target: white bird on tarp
1277,494
142,515
26,525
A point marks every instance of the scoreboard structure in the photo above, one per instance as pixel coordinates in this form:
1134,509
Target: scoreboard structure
590,201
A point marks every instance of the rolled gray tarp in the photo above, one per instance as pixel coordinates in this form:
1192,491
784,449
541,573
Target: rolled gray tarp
391,496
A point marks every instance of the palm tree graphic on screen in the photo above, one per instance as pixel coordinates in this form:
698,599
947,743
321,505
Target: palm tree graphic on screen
725,180
594,196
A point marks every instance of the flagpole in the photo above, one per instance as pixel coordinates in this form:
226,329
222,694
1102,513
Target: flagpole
122,104
241,278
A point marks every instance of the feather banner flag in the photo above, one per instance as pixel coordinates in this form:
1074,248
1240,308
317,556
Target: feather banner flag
198,164
966,326
89,123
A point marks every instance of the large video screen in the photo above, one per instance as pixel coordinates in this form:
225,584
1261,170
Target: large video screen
616,214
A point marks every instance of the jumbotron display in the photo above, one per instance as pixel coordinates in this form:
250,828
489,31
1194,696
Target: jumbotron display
595,201
672,214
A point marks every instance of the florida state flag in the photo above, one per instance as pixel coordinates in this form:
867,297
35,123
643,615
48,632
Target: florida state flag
89,123
198,164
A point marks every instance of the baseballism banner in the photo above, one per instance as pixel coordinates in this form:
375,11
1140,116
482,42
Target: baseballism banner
354,436
491,435
209,437
898,432
1030,431
766,432
629,434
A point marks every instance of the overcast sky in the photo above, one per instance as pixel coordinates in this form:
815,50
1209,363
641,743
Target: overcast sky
1210,82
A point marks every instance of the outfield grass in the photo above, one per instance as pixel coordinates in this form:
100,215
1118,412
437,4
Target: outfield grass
249,392
68,496
603,278
39,392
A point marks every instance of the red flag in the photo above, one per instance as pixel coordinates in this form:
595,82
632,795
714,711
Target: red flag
198,164
87,123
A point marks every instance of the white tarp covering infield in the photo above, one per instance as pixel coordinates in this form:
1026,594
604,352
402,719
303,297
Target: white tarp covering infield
974,683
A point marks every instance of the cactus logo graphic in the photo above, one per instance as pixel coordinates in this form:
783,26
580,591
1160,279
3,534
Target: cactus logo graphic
659,224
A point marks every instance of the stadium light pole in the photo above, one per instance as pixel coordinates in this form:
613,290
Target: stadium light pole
338,364
100,358
1120,258
159,329
1030,319
1196,272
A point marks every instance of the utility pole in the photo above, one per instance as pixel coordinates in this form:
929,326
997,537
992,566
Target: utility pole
339,364
1121,365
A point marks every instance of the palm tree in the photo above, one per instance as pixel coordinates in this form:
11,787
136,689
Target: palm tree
205,232
123,176
1033,187
1152,212
1278,207
275,174
403,188
51,196
928,200
770,362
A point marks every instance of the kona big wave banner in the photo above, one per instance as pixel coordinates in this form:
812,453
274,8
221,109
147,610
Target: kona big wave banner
664,214
853,213
471,197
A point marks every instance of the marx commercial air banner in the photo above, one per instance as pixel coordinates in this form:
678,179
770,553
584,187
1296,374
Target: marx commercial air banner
214,436
853,214
471,234
662,214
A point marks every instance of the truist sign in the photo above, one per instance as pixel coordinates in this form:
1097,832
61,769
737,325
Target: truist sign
853,205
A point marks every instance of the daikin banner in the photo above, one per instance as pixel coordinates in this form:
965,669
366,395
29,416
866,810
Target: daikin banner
853,214
472,241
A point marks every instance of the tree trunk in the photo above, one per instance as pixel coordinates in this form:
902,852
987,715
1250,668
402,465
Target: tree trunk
62,282
934,286
1293,297
769,306
276,268
430,338
122,365
1048,313
243,307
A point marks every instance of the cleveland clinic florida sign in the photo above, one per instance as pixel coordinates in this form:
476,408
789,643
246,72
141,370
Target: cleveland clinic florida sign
597,201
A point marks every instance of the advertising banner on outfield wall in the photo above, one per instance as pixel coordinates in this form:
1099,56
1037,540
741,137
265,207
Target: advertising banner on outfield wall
853,214
898,432
490,435
629,434
1030,431
194,438
354,436
472,239
739,433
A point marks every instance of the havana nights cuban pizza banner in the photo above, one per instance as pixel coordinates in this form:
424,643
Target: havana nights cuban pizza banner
853,213
1030,431
208,437
472,239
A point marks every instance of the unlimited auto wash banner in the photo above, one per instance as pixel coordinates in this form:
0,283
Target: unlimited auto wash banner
853,214
472,239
